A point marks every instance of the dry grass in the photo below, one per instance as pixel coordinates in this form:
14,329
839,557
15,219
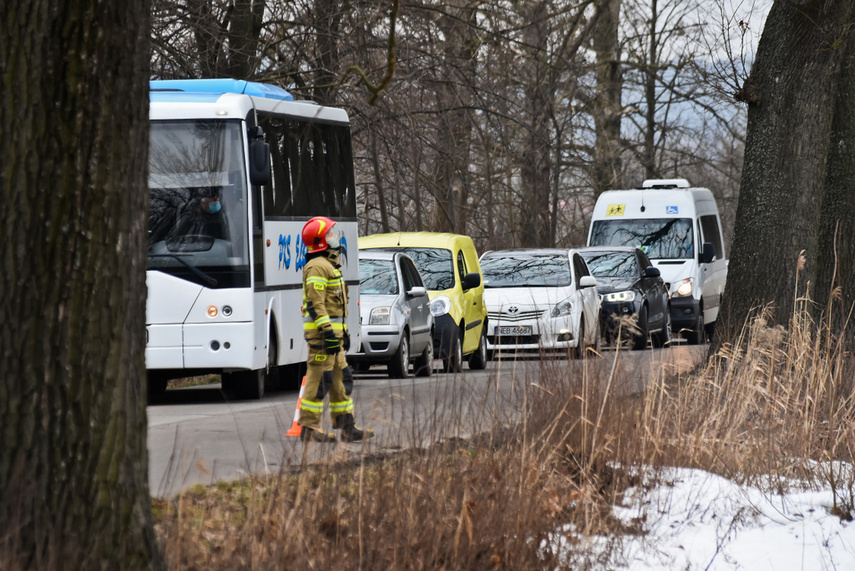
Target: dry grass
775,405
192,381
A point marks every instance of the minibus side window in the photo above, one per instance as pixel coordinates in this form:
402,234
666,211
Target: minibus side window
709,228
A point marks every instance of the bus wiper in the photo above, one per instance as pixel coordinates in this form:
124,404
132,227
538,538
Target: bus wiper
208,280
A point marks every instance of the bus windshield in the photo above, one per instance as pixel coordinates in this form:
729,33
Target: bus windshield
197,207
659,238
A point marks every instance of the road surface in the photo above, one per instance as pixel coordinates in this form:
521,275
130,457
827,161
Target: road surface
196,436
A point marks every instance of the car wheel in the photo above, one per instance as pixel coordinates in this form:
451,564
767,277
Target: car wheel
663,338
360,366
710,331
578,352
454,362
643,334
399,365
696,337
479,358
423,366
593,350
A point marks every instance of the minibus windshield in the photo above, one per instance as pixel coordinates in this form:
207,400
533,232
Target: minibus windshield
659,238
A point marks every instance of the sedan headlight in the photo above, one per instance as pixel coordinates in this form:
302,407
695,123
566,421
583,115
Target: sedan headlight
563,308
379,316
682,288
620,296
440,306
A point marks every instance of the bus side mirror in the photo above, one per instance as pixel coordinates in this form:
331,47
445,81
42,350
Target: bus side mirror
259,158
708,254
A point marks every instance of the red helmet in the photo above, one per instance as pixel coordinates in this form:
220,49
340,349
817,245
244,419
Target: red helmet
315,233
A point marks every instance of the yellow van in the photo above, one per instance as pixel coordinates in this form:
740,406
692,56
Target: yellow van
448,264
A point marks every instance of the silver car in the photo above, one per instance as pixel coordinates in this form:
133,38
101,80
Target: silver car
394,308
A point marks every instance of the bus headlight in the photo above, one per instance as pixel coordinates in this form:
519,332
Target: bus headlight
683,288
379,316
440,306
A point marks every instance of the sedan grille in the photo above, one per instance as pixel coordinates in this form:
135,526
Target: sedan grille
506,316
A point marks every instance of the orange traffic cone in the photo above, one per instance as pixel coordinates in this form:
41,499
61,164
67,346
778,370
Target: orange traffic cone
296,428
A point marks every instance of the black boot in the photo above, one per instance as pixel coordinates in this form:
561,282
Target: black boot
349,431
313,435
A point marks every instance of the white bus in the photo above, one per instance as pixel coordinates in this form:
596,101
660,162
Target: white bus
235,170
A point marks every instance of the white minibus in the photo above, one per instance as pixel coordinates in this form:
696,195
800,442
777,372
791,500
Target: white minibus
679,229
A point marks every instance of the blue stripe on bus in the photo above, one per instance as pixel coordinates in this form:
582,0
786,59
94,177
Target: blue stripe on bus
183,97
220,86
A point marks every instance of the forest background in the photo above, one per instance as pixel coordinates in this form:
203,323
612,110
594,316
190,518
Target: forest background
500,120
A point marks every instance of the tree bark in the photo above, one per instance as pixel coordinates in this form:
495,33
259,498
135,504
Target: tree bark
536,168
794,186
74,121
327,15
835,264
651,71
244,30
454,131
607,105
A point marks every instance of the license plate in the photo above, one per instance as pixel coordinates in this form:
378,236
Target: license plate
514,331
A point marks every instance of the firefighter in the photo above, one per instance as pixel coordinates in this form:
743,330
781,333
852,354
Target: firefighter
325,330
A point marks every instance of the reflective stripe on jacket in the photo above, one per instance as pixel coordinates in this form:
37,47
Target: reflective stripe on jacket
324,297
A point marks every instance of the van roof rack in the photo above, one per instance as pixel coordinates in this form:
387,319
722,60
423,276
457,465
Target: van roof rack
665,183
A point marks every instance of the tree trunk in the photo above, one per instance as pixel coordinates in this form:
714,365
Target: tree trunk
74,120
793,187
327,14
536,168
378,182
207,35
835,264
651,71
607,105
244,29
454,131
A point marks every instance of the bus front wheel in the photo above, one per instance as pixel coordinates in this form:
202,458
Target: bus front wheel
245,384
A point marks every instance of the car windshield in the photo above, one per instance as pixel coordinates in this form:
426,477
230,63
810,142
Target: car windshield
434,264
659,238
526,270
377,277
612,264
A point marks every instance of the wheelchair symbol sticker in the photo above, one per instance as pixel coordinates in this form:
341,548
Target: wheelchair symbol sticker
672,210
